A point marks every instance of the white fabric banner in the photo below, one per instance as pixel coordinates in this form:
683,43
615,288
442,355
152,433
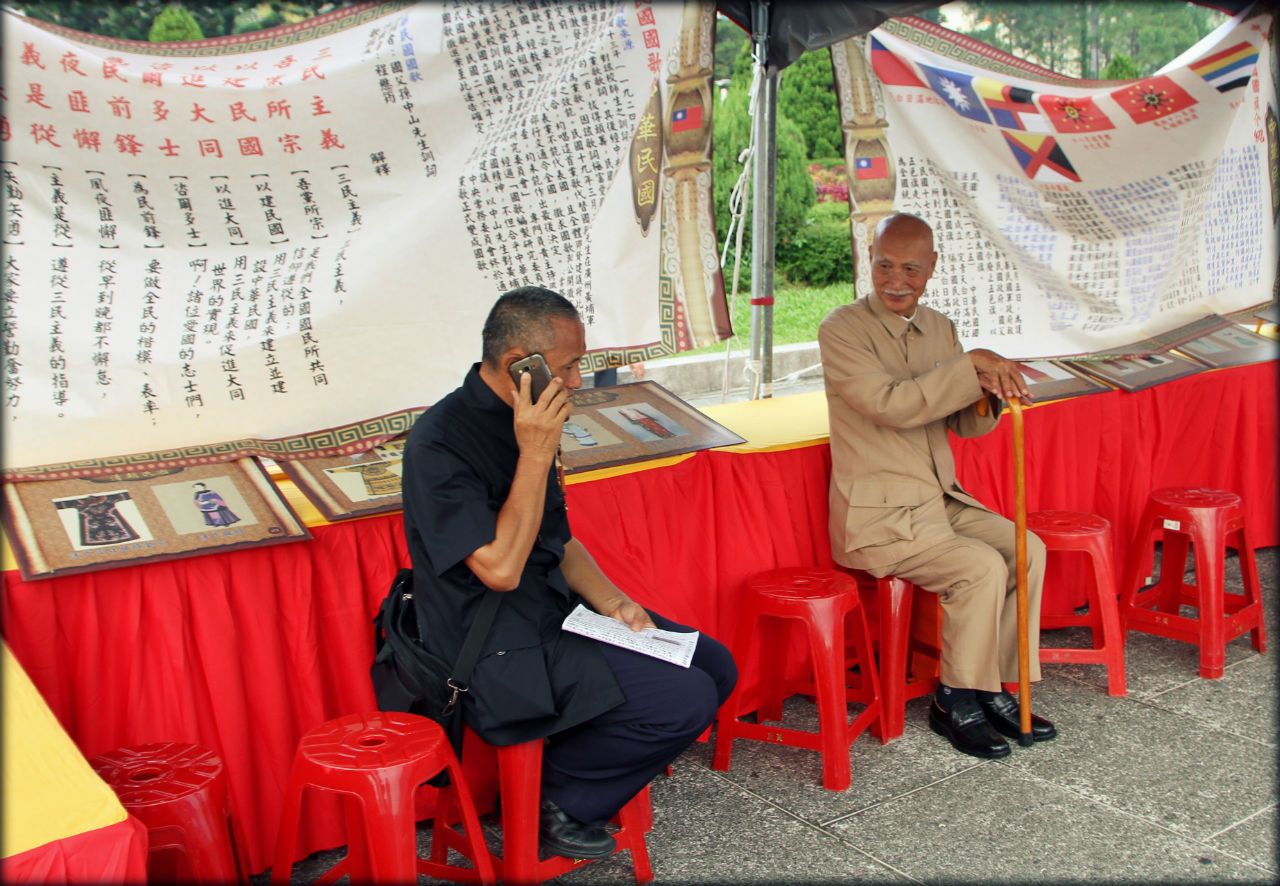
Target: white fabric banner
1071,216
286,243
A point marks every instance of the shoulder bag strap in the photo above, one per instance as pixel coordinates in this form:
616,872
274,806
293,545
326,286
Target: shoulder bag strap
470,653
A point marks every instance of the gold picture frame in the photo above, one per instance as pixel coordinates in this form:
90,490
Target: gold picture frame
58,527
346,486
1138,372
622,424
1057,380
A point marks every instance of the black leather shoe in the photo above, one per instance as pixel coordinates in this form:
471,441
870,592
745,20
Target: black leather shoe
561,834
1002,713
967,729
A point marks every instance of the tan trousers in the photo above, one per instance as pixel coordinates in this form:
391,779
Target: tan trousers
974,574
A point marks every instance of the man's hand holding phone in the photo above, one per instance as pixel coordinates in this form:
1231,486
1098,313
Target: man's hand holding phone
542,406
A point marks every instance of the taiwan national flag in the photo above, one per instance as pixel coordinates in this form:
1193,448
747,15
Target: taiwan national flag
1152,99
1077,114
957,91
1229,69
1011,106
891,70
865,168
686,119
1040,157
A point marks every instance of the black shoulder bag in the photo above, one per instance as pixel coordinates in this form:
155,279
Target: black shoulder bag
406,677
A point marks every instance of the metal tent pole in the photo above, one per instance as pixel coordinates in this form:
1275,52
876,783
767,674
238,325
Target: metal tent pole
762,208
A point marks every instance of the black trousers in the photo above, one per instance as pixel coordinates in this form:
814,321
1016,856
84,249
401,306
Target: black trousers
593,769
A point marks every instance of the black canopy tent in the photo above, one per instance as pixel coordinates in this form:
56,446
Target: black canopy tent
781,31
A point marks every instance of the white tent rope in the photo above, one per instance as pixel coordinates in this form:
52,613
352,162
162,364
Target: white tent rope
737,201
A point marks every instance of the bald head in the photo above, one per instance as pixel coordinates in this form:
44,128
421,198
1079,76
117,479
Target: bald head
902,261
904,224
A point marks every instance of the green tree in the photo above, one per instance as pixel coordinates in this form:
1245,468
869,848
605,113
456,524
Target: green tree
1121,67
1152,34
1077,39
731,129
172,24
807,95
729,40
133,20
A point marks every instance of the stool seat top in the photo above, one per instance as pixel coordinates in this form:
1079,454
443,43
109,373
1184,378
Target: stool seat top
158,772
1195,497
802,582
375,740
1067,522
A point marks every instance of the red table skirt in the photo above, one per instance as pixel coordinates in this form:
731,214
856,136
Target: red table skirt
245,651
116,853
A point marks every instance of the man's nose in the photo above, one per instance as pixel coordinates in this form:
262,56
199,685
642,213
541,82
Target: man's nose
573,379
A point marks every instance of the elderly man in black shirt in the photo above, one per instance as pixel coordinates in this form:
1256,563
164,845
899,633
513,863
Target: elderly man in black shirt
484,507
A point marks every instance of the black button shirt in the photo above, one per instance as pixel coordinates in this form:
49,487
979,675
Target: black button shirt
532,679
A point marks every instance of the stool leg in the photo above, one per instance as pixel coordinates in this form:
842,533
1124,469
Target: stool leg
390,837
636,819
1106,632
520,779
895,631
833,715
1252,593
771,634
1173,565
727,717
456,797
1210,586
287,837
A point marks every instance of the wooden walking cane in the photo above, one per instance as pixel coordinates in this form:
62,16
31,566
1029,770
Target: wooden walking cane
1020,559
1020,553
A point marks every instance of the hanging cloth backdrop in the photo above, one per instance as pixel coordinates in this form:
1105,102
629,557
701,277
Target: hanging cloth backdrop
1071,216
286,243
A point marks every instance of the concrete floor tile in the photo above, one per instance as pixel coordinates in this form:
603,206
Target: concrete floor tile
995,823
1243,702
792,777
1174,770
709,830
1253,840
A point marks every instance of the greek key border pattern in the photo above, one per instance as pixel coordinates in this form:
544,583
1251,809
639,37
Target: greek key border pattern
341,440
611,358
254,41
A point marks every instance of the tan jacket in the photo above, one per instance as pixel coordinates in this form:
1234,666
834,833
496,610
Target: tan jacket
894,388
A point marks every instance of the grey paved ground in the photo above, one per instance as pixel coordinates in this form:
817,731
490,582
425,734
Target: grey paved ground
1175,783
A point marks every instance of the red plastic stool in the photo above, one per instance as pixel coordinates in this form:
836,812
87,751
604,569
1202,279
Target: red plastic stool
178,791
823,600
1089,534
377,761
1212,520
515,772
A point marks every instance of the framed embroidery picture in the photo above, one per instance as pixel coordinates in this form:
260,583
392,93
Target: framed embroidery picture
56,527
620,424
1135,373
1056,380
346,486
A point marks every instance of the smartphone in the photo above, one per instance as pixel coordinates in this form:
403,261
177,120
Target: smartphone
538,371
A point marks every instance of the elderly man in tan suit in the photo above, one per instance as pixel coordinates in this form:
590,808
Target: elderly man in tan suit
897,380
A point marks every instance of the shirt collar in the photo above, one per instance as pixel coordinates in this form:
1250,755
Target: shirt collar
482,398
895,324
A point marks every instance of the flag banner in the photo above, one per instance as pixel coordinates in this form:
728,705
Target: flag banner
285,243
1072,217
